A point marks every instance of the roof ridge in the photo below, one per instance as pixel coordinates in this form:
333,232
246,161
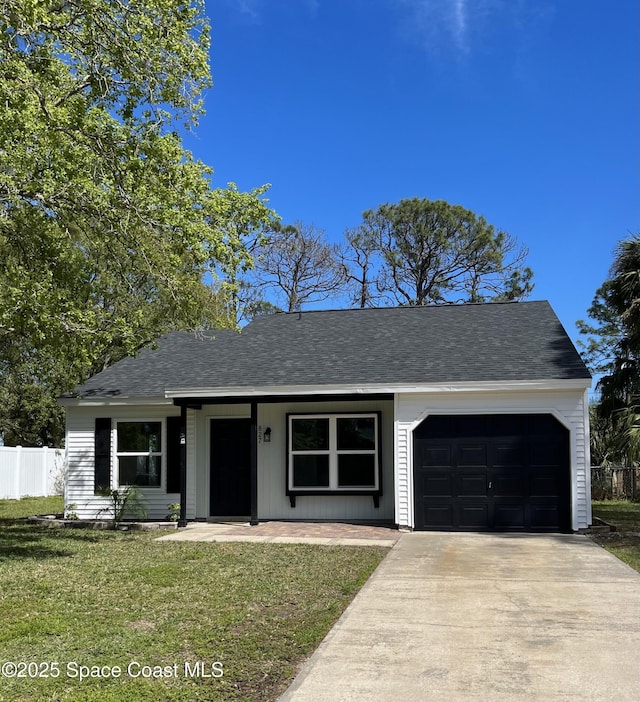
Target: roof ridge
445,305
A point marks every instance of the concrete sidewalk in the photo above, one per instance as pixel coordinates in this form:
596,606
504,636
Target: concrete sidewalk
478,617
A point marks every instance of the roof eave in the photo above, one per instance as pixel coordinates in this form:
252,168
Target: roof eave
113,400
373,388
195,393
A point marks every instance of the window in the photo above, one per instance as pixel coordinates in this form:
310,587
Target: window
333,452
139,453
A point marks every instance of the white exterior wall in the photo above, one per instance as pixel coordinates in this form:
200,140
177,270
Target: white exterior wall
80,460
569,407
398,419
273,502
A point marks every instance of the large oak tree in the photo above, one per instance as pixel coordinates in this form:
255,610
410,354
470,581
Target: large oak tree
107,223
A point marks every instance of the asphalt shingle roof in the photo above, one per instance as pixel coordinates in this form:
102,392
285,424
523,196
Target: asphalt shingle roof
385,346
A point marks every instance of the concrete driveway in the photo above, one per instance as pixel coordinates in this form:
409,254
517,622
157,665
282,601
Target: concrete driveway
484,617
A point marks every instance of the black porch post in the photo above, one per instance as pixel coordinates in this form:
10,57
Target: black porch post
254,463
182,522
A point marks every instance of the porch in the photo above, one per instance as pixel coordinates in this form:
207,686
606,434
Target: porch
282,532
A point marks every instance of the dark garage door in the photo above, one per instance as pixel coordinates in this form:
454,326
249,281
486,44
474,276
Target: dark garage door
492,472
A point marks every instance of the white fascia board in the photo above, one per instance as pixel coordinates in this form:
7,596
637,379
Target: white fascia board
368,389
113,401
500,386
266,390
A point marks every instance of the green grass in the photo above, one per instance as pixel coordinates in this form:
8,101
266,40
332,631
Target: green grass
29,506
104,598
624,543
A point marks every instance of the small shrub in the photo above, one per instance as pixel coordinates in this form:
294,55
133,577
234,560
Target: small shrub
70,511
124,502
174,512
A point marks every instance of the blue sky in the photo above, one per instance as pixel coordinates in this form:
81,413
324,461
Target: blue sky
524,111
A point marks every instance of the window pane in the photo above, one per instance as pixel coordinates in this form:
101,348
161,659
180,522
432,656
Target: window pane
139,470
356,433
311,471
356,470
139,436
310,434
128,470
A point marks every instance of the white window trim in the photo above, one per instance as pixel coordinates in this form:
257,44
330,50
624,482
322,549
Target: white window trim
333,452
162,453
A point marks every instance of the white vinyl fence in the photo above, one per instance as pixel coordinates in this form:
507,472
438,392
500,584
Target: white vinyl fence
30,471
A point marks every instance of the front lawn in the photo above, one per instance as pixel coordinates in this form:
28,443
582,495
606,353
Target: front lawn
28,506
161,620
625,541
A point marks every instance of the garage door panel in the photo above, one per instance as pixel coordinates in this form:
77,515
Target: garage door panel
546,484
472,484
473,515
438,485
435,456
509,516
470,455
439,516
466,427
512,484
503,425
503,472
506,454
545,517
545,425
545,451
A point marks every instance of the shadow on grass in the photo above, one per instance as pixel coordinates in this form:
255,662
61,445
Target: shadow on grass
21,540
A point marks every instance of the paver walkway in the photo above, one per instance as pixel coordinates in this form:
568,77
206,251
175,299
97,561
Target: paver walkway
321,533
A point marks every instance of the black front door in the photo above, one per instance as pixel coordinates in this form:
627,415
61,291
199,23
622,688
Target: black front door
230,468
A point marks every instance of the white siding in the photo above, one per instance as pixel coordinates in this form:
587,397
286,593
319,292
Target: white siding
272,500
568,406
399,418
78,491
79,496
273,503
